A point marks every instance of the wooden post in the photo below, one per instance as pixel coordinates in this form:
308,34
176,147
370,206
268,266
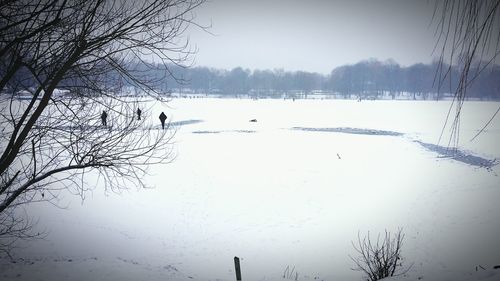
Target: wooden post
237,268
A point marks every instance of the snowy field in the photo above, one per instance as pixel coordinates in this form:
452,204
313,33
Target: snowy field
290,190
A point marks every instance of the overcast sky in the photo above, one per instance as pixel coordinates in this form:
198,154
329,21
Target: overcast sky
313,35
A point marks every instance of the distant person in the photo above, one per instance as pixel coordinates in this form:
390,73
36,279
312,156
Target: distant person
163,117
104,116
139,114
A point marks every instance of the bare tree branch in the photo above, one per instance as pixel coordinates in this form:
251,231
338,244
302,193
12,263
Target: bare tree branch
73,60
468,35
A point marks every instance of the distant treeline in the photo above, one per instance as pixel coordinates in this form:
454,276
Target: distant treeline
369,79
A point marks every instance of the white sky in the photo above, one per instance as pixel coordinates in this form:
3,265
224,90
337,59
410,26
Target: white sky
314,35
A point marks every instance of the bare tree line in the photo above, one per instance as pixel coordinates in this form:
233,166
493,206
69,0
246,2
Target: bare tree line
50,142
369,79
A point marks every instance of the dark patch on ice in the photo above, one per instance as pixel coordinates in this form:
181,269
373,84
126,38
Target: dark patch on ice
207,132
131,261
225,131
170,268
87,128
459,155
33,260
348,130
185,122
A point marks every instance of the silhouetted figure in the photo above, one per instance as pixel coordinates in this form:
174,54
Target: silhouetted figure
163,117
104,116
139,114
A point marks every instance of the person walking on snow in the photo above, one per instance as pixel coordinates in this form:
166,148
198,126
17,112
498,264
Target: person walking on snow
163,117
139,114
104,115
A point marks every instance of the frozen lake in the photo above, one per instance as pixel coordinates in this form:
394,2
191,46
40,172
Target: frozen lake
292,189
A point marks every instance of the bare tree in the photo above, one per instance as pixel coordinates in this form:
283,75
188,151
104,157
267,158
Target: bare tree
61,64
469,35
382,259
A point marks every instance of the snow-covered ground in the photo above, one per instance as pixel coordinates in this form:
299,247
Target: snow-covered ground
290,190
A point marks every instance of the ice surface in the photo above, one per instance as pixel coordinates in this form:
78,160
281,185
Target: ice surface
281,198
185,122
442,151
355,131
226,131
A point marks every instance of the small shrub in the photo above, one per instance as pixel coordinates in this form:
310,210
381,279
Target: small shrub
382,259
